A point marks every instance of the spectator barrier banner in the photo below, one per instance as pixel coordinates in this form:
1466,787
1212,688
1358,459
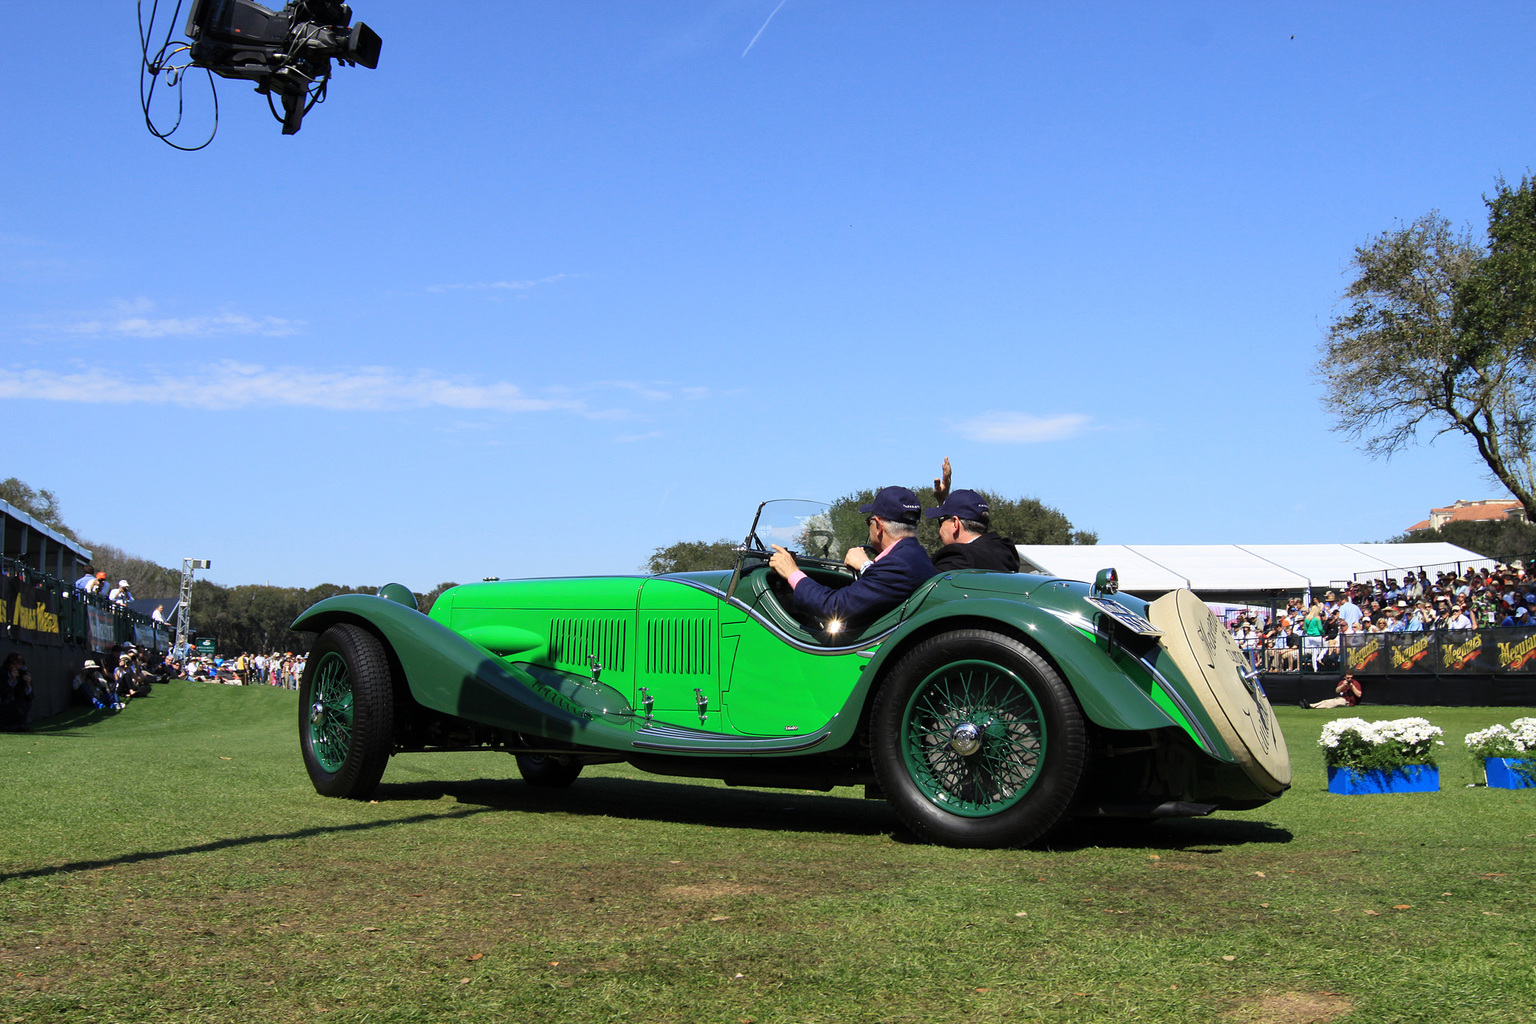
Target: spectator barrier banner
1411,653
101,626
1467,651
1363,654
151,635
1514,650
1471,652
31,611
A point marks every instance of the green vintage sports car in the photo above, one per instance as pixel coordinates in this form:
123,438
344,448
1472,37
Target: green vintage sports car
987,709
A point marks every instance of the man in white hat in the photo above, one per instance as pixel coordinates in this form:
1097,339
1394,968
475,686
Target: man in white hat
98,691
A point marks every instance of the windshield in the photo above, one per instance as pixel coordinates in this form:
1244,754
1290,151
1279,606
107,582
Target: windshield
804,527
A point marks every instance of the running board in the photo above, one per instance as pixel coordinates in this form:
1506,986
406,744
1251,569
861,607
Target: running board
679,739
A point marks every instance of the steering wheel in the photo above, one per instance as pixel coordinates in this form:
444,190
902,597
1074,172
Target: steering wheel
820,541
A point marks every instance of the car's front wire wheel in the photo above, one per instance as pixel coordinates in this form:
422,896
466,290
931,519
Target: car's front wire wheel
977,741
346,712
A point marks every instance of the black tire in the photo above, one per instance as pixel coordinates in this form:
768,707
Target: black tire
549,770
346,712
977,741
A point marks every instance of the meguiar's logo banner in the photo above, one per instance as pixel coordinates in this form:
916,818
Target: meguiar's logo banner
1363,653
1466,650
1441,652
1409,652
1514,650
31,612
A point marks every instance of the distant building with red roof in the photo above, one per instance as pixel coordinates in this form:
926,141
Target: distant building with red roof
1470,511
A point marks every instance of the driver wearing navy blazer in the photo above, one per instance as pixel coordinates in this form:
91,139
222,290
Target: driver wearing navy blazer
889,568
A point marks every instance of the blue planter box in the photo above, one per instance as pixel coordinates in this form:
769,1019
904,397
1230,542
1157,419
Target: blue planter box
1504,773
1413,778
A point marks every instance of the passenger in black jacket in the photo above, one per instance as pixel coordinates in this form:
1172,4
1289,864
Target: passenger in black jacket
964,520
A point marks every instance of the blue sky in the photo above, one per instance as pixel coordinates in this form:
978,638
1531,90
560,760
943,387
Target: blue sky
561,283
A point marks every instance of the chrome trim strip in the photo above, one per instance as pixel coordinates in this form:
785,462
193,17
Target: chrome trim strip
1081,622
776,630
1077,620
1178,699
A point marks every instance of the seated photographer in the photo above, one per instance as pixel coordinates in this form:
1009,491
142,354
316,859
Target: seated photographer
1349,693
15,694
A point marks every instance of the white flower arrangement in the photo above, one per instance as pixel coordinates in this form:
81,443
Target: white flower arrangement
1388,745
1516,740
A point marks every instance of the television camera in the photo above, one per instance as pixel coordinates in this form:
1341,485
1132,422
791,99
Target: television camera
287,53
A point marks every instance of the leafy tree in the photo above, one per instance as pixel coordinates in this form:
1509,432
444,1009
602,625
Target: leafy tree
691,556
145,578
42,505
1022,520
424,602
1500,539
1440,335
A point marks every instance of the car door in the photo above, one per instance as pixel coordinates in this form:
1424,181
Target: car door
777,679
677,678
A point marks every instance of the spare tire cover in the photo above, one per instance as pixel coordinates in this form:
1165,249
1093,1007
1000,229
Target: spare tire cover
1210,659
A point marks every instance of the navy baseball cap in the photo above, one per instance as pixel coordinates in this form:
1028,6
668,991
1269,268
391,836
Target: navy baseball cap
897,504
965,504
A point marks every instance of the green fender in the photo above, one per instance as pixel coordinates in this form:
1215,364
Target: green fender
447,673
1109,697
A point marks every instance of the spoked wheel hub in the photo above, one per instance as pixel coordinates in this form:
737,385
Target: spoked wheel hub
966,738
976,740
973,738
330,714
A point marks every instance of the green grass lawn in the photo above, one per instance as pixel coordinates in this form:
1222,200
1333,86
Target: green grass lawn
172,863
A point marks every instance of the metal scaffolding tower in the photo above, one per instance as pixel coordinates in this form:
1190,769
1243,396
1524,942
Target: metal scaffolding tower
184,603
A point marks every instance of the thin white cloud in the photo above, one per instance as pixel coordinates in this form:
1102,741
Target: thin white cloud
492,286
234,385
1021,427
133,319
655,391
230,385
187,326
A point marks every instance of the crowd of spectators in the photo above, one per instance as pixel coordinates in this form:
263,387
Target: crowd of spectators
110,681
119,675
92,582
1301,633
281,668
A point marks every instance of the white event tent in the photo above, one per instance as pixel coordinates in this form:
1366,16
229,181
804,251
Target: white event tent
1237,571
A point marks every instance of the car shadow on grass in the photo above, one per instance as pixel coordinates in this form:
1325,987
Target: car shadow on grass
140,856
679,803
799,811
1189,835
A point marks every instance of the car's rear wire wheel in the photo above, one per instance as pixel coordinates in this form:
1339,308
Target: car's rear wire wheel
977,741
346,712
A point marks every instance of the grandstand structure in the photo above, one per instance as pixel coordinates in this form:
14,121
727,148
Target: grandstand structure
45,619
